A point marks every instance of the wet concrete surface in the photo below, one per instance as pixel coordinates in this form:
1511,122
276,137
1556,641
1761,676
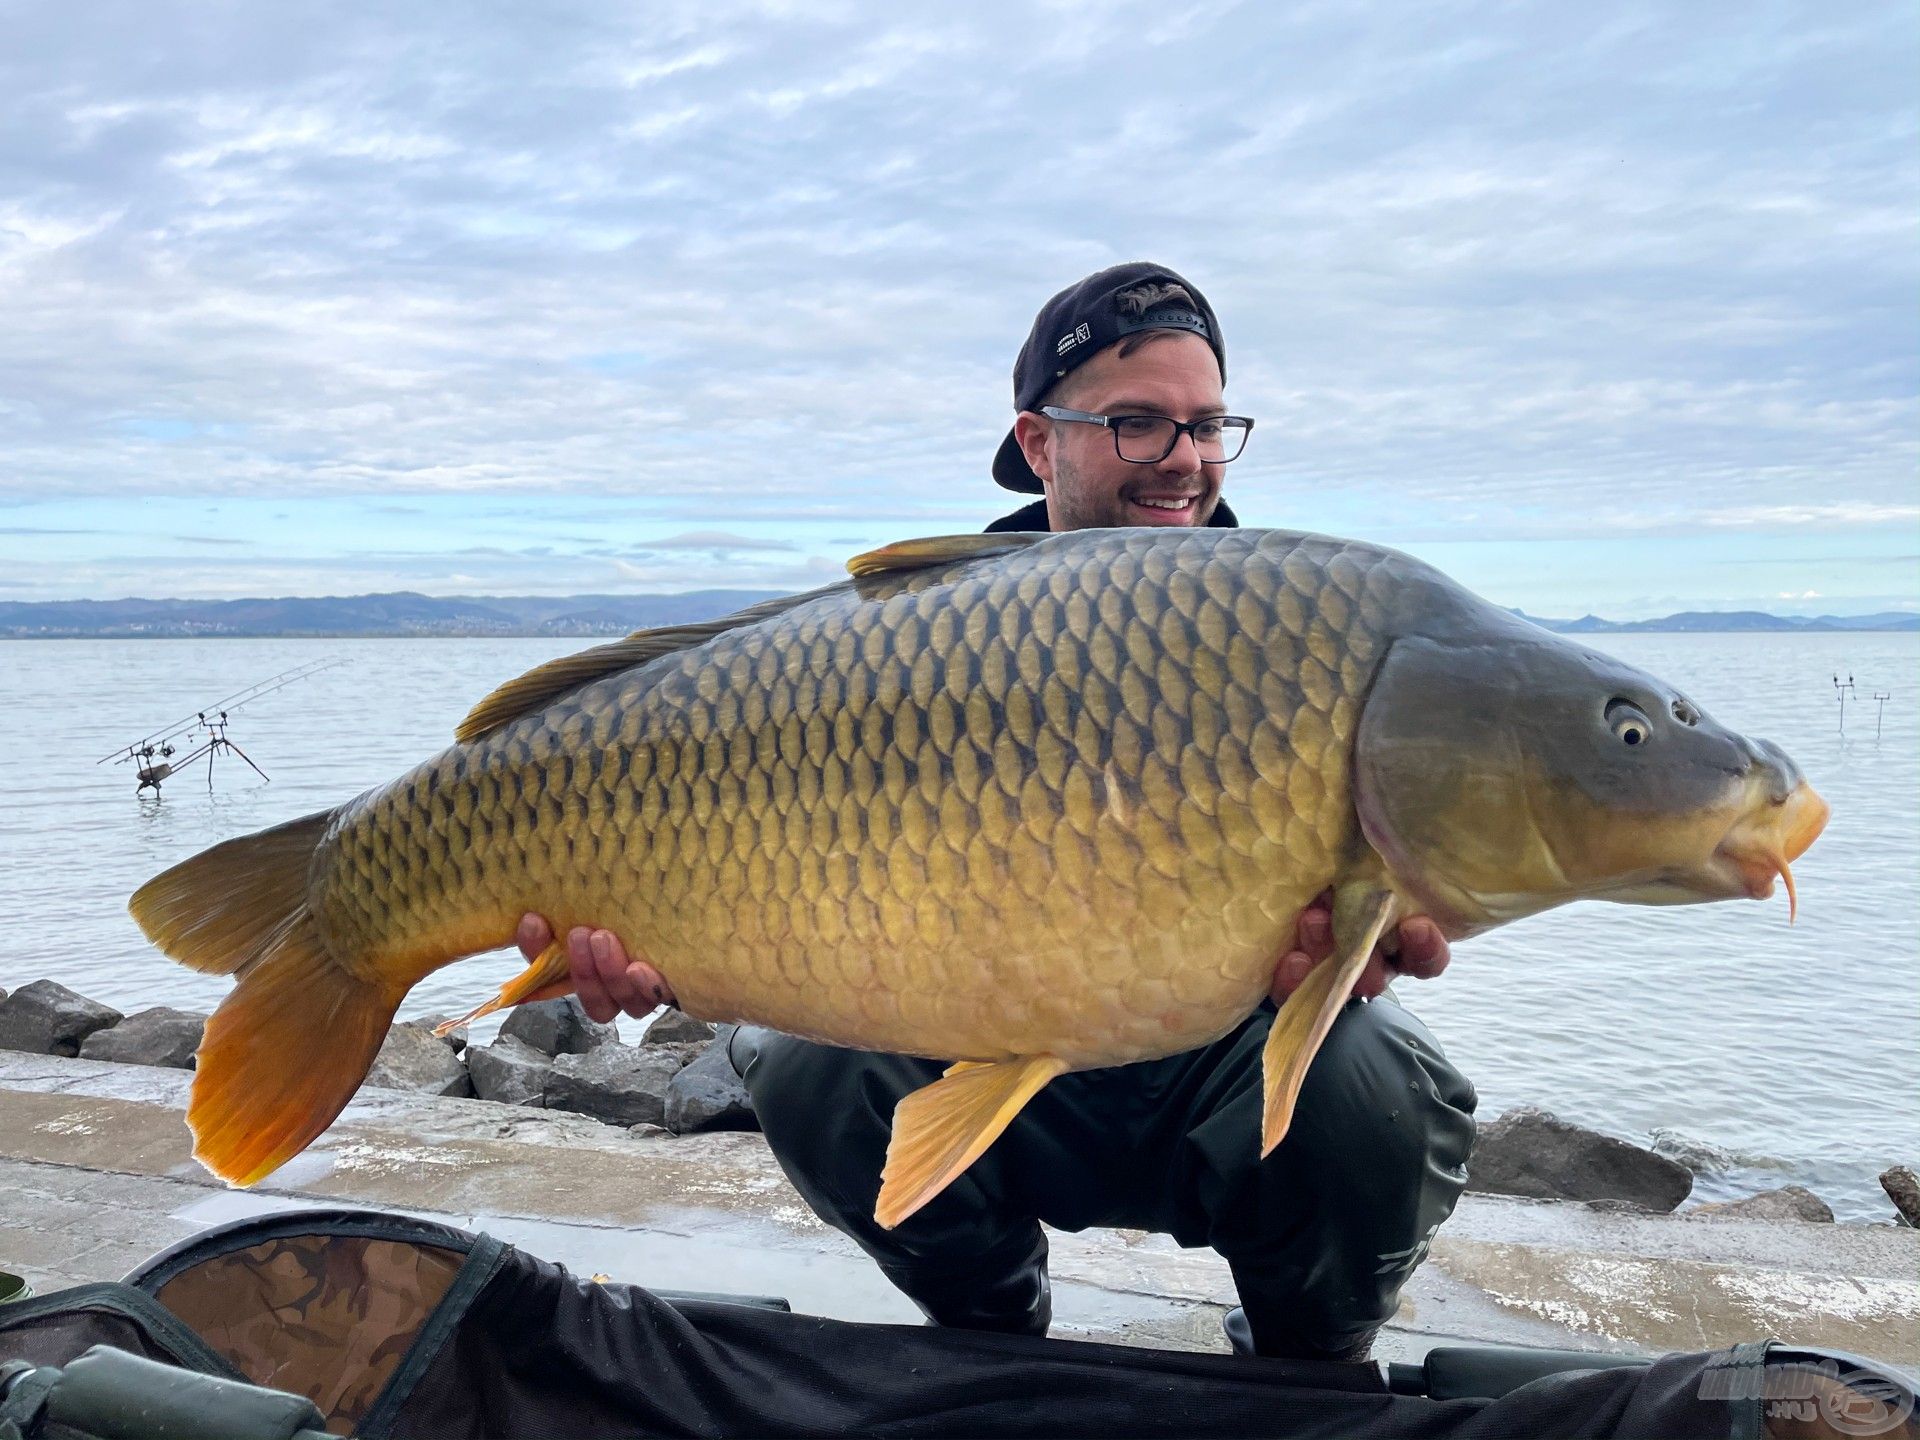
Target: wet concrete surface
96,1175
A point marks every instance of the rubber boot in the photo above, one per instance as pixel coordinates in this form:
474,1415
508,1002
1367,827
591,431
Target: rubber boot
1240,1336
1018,1302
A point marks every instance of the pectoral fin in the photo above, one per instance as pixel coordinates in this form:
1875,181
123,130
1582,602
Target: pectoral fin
942,1128
547,978
1304,1020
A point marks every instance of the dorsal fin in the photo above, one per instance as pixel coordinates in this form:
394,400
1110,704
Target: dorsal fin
940,550
546,683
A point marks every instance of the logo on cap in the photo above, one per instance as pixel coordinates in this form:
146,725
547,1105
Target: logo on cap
1079,336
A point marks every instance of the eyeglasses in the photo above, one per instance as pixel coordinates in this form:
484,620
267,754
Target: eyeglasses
1149,439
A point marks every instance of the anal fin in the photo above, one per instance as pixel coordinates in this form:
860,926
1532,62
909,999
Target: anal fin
1303,1022
547,978
942,1128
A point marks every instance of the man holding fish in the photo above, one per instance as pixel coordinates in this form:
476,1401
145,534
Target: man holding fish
1053,807
1120,422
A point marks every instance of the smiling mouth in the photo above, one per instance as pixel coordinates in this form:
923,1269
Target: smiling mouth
1166,504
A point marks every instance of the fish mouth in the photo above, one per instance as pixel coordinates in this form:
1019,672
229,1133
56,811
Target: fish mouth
1759,848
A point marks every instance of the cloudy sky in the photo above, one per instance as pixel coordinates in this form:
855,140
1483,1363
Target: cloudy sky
1602,309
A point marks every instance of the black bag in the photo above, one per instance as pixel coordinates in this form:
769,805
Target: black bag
396,1327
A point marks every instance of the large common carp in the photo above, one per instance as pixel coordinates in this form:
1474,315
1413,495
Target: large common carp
1028,803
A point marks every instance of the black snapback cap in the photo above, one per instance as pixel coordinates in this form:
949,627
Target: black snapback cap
1080,322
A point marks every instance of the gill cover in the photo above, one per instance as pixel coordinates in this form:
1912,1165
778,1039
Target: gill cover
1504,774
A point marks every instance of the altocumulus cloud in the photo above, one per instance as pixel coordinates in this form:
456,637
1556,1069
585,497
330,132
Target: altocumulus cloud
1534,270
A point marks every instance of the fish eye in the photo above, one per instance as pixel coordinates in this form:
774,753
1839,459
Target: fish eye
1628,722
1685,713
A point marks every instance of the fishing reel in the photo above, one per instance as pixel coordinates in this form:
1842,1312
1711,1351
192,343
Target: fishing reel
153,767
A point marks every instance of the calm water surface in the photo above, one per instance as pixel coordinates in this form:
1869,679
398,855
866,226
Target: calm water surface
1790,1052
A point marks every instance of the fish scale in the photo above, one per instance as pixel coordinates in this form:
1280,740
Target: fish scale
1050,806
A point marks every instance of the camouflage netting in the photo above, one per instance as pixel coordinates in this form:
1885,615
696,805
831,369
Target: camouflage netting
326,1316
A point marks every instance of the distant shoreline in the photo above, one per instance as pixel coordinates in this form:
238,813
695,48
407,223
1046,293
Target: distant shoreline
408,616
1651,628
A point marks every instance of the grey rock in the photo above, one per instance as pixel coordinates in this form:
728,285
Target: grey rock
413,1058
672,1027
1903,1188
455,1039
160,1036
707,1095
1533,1153
688,1053
557,1027
46,1018
620,1084
510,1071
1789,1202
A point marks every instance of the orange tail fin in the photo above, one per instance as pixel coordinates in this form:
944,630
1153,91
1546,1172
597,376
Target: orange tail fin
286,1050
282,1056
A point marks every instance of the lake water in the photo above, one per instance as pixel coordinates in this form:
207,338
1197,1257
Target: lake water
1790,1052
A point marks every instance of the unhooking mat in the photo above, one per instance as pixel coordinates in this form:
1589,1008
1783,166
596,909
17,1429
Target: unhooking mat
396,1327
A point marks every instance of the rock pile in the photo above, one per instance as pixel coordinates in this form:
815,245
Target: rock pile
551,1055
548,1055
49,1019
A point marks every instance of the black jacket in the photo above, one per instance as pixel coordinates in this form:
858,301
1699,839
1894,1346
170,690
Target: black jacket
1034,517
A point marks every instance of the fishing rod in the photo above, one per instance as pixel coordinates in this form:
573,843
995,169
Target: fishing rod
244,696
153,754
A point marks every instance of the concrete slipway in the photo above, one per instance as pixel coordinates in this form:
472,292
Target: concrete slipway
95,1176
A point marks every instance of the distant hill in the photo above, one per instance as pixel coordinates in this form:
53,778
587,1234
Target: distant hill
405,613
1722,622
402,613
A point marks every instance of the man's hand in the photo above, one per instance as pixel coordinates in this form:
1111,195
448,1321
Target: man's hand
605,979
1421,952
